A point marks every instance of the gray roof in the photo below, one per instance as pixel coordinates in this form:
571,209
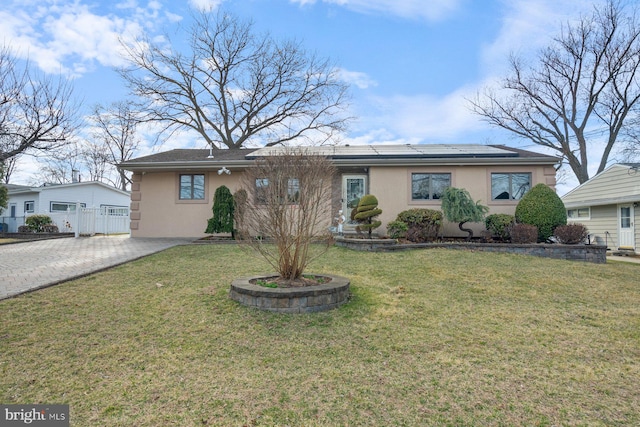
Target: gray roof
344,155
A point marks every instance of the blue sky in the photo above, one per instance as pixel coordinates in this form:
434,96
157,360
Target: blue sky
410,63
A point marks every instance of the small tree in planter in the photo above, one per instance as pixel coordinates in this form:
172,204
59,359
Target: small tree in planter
287,209
458,206
222,220
366,212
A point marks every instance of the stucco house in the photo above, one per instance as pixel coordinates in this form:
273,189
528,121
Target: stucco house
609,206
58,200
172,191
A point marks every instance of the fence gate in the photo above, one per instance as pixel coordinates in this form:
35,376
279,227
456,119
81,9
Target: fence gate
90,221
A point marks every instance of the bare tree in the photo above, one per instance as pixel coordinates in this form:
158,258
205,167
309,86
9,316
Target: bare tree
97,161
584,88
10,166
36,112
288,207
58,167
115,137
235,87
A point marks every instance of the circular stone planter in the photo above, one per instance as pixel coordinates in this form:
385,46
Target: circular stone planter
306,299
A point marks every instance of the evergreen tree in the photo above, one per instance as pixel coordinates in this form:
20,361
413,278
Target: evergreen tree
222,220
367,210
458,206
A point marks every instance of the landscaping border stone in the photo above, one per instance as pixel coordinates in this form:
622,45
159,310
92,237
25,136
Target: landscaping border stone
587,253
305,299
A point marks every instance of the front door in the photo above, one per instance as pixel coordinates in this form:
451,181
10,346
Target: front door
353,188
626,228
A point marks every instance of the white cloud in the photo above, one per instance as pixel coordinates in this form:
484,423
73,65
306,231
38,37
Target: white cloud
361,80
205,5
431,10
420,117
66,36
529,25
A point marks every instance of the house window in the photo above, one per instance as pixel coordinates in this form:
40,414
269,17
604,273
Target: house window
192,187
64,206
289,193
429,186
29,207
509,186
579,213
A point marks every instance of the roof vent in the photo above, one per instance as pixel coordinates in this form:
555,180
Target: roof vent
210,156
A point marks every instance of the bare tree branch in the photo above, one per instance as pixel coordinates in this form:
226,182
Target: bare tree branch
584,84
288,208
235,87
37,113
115,137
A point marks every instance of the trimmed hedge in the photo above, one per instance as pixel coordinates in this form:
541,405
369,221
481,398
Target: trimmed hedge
542,207
499,224
423,225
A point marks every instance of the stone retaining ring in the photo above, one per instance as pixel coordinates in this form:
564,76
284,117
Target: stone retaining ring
306,299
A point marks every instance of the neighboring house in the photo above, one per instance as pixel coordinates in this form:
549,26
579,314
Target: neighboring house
59,202
609,206
172,192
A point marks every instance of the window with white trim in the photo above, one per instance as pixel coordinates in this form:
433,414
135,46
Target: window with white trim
64,206
579,213
29,206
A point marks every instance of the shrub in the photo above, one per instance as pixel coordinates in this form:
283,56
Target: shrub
458,206
541,207
523,233
571,234
367,211
426,224
50,228
397,229
222,220
37,222
418,234
420,217
498,225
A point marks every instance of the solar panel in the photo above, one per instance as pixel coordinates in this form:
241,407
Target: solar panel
417,150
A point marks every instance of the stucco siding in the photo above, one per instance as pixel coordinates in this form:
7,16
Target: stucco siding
160,213
392,187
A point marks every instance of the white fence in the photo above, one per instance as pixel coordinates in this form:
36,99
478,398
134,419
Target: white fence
84,221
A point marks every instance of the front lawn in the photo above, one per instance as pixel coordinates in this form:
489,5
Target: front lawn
430,337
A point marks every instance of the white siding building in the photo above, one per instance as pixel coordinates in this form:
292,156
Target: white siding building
59,201
609,206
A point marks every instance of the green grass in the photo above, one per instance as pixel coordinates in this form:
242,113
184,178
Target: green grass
430,337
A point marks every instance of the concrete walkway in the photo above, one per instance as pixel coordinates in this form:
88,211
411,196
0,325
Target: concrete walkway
33,265
623,258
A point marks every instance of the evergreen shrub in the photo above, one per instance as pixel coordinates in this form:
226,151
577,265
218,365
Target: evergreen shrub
499,224
542,207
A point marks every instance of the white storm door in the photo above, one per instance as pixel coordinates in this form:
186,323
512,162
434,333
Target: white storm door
353,188
626,230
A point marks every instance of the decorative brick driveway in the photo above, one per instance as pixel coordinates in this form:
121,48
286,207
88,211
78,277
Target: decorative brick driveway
33,265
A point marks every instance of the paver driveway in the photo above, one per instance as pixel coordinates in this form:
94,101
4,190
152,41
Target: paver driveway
32,265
